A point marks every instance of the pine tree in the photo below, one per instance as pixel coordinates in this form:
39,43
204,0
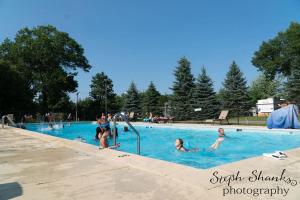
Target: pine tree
132,101
182,89
151,100
235,96
204,97
102,93
293,86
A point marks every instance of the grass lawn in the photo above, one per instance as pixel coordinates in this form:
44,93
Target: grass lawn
251,120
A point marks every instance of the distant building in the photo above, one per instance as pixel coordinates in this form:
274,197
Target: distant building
266,106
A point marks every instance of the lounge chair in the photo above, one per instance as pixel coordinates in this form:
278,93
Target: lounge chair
162,119
223,116
131,115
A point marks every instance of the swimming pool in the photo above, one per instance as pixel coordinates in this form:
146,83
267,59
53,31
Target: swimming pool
158,142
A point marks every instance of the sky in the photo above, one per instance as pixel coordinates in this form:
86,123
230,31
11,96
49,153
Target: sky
142,40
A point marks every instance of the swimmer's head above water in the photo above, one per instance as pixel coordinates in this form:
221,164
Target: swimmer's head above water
179,146
221,132
179,142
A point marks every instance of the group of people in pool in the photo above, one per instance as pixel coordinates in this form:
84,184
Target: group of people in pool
103,131
50,119
221,135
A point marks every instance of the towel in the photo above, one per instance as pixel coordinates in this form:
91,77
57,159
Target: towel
277,155
286,117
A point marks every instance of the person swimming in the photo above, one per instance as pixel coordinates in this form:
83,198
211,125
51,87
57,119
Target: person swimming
219,140
180,147
125,129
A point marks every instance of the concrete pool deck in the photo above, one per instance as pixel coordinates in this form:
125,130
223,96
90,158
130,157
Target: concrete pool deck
38,166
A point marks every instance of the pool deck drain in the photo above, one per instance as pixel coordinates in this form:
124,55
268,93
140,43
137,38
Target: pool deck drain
38,166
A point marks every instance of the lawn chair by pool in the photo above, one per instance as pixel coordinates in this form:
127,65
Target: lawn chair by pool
163,119
131,116
223,116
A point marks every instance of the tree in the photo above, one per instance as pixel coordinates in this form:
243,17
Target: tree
263,88
234,93
64,105
48,60
151,100
132,101
182,87
86,110
15,94
102,93
204,97
293,86
164,98
279,55
120,99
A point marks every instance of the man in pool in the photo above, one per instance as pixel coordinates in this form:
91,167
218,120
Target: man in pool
219,140
179,146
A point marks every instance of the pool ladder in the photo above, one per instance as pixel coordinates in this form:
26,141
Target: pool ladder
138,148
9,119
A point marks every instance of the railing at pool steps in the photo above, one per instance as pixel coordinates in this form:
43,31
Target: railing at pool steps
9,119
130,125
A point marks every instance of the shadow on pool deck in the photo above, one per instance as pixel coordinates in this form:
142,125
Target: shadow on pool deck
10,190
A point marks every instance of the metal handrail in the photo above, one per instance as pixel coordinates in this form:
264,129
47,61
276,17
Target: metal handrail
9,119
129,124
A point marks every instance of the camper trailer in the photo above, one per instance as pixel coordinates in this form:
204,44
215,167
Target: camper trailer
266,106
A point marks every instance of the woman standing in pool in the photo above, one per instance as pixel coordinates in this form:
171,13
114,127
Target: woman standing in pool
220,139
104,139
99,133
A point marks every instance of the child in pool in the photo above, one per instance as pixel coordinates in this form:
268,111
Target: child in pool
179,146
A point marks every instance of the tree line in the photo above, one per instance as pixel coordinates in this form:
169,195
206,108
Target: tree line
102,99
38,69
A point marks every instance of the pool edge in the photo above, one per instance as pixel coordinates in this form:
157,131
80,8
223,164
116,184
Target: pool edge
189,175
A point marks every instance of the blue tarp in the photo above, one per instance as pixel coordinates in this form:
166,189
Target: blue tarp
286,117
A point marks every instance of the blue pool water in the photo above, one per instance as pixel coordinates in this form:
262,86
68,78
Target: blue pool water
158,142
